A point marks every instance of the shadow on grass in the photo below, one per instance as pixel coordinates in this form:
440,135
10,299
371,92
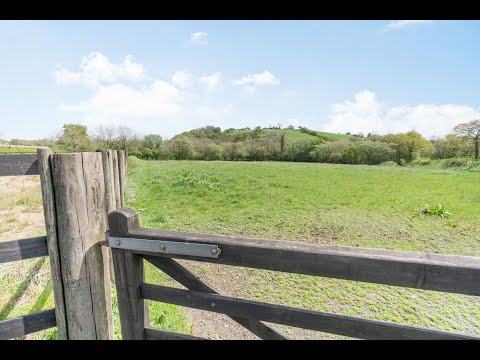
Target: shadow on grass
42,298
21,288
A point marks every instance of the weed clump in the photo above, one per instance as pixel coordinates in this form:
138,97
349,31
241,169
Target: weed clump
438,210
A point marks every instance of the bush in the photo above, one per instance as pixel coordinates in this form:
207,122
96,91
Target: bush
181,149
451,163
439,210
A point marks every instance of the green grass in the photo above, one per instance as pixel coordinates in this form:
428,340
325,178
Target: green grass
13,149
333,136
295,134
366,206
292,134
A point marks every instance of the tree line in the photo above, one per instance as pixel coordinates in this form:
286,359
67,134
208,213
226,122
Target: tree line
274,143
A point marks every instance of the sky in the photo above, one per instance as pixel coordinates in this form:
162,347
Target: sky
166,77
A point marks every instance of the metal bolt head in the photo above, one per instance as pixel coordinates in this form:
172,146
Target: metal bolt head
162,247
118,242
213,251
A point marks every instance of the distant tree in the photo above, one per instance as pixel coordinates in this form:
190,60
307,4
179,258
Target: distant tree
74,138
105,136
471,131
181,148
152,141
407,145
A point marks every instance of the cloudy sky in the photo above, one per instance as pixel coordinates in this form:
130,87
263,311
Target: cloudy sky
170,76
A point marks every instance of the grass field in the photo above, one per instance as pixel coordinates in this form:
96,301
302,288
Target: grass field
15,149
26,285
295,134
366,206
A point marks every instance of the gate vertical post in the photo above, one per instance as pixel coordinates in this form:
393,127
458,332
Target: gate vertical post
129,274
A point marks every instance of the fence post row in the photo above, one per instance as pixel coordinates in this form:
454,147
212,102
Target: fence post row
78,191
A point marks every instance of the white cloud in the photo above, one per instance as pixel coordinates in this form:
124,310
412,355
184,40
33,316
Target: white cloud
182,79
114,103
251,82
212,81
198,37
401,24
121,94
96,69
366,114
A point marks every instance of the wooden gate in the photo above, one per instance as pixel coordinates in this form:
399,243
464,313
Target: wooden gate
131,245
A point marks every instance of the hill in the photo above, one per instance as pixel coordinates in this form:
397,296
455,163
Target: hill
235,135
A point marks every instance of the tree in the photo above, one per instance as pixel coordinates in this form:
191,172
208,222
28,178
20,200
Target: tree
152,141
471,131
407,146
74,138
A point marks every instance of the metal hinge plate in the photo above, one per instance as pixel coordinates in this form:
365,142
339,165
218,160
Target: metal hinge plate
165,247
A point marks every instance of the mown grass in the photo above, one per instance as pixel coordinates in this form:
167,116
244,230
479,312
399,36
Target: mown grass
13,149
366,206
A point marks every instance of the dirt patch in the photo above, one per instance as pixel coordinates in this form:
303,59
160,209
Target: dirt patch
21,211
229,281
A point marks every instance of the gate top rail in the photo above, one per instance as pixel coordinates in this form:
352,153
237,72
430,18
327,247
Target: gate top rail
19,164
446,273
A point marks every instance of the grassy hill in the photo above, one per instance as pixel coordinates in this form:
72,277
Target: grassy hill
233,135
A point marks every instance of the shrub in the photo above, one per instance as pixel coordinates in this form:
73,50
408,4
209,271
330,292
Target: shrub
439,210
449,163
181,149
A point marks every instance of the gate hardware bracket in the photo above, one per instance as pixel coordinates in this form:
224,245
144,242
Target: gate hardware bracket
165,247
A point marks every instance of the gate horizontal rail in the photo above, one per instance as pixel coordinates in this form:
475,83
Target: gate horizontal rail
445,273
27,324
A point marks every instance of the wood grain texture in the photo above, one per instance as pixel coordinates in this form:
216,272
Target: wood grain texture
306,319
72,222
23,249
18,164
129,274
107,162
116,179
27,324
152,333
49,212
192,282
122,175
447,273
132,308
98,273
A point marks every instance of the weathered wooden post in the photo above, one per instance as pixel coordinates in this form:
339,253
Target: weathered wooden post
129,274
48,197
81,209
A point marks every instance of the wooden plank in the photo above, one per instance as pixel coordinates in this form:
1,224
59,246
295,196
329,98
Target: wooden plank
49,211
108,180
447,273
98,269
192,282
18,164
129,274
72,224
152,333
27,324
107,162
23,249
307,319
116,179
122,175
132,308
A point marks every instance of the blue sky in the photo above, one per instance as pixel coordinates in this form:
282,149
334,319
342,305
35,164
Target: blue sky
169,76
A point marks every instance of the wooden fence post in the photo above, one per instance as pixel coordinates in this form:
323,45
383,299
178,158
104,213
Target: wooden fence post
129,274
81,209
48,197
